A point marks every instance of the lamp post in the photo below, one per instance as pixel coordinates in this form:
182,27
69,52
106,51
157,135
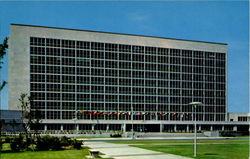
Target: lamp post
195,104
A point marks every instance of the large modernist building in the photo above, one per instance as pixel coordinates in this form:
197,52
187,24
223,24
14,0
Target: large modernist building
90,80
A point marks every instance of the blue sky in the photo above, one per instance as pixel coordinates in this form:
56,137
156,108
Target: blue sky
214,21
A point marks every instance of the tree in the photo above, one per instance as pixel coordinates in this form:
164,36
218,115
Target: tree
3,48
26,113
30,118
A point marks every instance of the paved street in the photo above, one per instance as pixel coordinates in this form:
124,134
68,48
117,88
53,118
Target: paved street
124,151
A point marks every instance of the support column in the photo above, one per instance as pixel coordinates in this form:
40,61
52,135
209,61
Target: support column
45,127
77,127
161,127
175,128
235,128
124,127
222,127
93,127
199,127
61,128
107,128
187,128
211,128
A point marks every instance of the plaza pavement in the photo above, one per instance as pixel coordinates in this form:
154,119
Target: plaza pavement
124,151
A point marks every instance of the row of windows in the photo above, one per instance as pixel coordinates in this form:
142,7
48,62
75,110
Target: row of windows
114,64
164,60
149,116
123,98
127,107
123,90
243,118
161,76
125,73
122,48
148,83
163,109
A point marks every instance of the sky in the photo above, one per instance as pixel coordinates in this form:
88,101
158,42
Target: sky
212,21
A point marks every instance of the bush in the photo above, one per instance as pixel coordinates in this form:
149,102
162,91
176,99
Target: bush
56,144
65,141
77,144
1,145
7,140
18,144
14,146
227,133
115,135
48,143
42,144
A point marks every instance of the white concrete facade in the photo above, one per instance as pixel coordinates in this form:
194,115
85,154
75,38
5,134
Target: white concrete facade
19,63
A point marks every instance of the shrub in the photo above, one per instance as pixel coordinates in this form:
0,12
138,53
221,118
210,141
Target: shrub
56,144
18,144
14,146
227,133
65,141
7,140
77,144
48,143
1,145
115,135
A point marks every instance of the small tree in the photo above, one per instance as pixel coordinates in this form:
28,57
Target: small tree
30,118
26,113
3,48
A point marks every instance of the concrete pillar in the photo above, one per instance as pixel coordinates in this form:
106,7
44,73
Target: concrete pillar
175,128
45,127
199,127
235,128
161,127
61,128
77,127
93,127
107,128
211,128
124,127
222,127
187,128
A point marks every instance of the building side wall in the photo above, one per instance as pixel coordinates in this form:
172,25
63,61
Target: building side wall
18,66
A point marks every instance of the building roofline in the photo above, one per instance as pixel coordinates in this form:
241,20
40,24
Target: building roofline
117,33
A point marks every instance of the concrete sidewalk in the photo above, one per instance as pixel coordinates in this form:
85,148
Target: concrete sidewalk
124,151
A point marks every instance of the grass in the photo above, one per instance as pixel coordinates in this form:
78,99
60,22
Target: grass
63,154
178,141
205,151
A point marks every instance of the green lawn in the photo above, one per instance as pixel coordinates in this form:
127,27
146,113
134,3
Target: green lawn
63,154
205,151
229,141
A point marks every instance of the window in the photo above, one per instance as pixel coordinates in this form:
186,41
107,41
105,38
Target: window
111,47
37,51
37,41
53,42
97,46
83,45
68,43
